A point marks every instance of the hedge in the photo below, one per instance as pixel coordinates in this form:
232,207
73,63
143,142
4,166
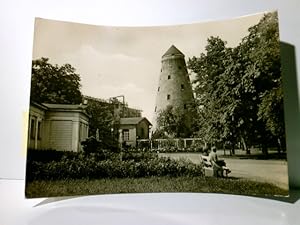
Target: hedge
114,166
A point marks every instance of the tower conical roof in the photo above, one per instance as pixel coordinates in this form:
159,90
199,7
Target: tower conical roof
173,51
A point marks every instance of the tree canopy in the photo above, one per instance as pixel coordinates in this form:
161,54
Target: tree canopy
176,122
103,123
172,121
239,89
54,84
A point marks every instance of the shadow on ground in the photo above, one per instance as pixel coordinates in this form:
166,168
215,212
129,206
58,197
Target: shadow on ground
279,156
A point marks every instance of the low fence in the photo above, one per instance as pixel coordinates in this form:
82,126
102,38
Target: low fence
193,144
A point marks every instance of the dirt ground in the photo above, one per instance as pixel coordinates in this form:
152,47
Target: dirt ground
270,171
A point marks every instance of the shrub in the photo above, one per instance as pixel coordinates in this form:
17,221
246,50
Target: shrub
132,165
91,145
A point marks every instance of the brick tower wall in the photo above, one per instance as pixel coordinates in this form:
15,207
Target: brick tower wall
174,86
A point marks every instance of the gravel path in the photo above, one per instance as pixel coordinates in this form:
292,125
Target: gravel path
270,171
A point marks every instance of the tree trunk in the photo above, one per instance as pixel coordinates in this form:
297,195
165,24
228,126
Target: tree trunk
232,150
279,145
264,149
245,147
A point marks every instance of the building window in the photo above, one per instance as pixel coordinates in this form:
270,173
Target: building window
125,135
32,129
182,87
39,133
161,70
179,67
169,77
168,97
155,109
158,89
184,106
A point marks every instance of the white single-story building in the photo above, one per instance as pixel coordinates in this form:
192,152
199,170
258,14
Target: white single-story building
57,126
132,129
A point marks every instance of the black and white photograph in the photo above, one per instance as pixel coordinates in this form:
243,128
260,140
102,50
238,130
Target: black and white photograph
182,108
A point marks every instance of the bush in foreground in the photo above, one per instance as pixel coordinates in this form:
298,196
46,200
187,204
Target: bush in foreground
93,166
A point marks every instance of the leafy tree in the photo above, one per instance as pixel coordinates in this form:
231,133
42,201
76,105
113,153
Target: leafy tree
103,123
239,89
271,112
269,66
54,84
262,50
212,95
174,122
158,133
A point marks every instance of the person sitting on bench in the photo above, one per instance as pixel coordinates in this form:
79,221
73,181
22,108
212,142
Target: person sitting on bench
219,166
213,159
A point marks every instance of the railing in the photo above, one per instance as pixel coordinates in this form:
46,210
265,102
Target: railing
180,143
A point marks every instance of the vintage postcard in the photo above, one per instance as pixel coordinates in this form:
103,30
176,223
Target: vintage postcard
185,108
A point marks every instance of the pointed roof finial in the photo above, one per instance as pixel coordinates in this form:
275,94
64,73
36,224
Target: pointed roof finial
173,51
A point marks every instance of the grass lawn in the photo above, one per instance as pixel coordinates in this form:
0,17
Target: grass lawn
149,185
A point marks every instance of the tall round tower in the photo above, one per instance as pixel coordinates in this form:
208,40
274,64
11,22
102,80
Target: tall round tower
174,86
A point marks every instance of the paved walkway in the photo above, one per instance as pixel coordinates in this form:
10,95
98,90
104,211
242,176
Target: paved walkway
271,171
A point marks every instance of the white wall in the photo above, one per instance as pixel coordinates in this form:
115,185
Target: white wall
17,22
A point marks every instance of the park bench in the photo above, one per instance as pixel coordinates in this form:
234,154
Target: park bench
209,168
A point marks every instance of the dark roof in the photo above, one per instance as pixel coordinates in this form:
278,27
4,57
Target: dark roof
64,106
40,106
132,120
173,51
61,107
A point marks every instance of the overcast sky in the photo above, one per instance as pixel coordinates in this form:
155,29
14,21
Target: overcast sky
126,60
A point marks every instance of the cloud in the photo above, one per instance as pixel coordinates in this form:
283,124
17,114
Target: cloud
118,60
129,89
106,75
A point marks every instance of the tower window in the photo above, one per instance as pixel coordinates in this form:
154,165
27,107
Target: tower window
155,109
168,97
158,89
169,77
182,87
161,70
